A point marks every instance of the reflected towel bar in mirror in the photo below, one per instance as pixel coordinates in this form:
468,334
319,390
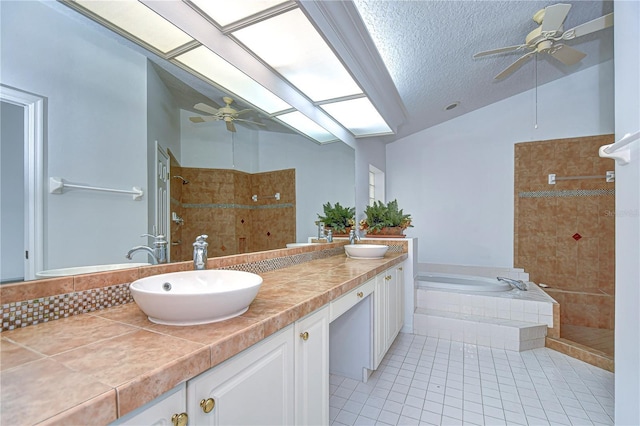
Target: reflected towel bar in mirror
56,185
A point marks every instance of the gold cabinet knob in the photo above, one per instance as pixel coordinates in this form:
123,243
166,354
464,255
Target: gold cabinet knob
207,405
304,335
180,419
360,294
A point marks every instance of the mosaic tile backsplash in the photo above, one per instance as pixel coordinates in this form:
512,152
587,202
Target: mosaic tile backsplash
35,310
564,233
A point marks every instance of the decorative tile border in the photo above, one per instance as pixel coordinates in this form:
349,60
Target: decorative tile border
567,193
45,309
236,206
34,311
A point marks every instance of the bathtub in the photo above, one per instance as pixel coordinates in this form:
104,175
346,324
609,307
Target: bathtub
460,283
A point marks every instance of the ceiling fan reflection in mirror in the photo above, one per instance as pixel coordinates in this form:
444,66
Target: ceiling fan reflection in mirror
227,113
548,36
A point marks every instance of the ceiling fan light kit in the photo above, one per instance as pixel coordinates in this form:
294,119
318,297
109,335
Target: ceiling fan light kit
546,37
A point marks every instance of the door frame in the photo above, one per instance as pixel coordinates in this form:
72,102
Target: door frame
33,106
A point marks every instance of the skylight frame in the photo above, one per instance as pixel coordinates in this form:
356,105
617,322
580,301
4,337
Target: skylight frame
251,36
113,26
258,95
296,120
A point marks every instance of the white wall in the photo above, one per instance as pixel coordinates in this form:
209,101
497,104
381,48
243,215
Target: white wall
210,145
627,332
95,131
12,174
323,173
456,179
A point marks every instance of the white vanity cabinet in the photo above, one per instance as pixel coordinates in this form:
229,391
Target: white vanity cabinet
388,311
255,387
166,410
312,369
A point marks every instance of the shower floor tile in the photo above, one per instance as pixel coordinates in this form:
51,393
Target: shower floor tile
596,338
430,381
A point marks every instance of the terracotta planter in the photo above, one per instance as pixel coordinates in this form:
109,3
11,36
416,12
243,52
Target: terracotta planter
342,234
390,232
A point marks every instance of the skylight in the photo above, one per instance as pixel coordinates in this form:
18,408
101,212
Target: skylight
359,116
217,70
307,126
137,20
292,46
225,13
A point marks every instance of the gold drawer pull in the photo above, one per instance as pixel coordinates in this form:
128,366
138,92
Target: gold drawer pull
305,335
180,419
207,404
360,294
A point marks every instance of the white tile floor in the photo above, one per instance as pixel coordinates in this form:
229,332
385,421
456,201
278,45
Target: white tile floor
429,381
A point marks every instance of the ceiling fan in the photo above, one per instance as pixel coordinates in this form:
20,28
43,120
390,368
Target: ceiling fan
227,113
548,36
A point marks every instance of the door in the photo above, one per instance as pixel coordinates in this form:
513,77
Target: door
27,248
162,195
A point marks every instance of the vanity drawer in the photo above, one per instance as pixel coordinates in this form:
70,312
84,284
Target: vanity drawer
346,302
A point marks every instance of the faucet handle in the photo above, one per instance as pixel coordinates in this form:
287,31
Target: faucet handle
159,239
201,240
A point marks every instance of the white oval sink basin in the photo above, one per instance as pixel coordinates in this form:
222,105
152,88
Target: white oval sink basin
365,251
63,272
195,297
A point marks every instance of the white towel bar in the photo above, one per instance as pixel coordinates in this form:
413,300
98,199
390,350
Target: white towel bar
619,151
56,185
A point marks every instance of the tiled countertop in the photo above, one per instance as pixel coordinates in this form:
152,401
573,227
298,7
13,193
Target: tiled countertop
96,367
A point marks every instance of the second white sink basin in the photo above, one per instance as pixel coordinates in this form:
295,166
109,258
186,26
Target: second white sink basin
195,297
366,251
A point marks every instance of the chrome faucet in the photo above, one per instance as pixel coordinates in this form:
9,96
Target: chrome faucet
200,252
353,236
158,252
519,284
329,236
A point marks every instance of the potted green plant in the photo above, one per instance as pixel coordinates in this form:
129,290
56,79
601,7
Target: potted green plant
338,218
385,220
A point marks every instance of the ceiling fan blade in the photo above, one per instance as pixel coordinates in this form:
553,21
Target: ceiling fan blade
554,17
514,66
250,122
243,111
565,54
203,119
205,108
500,50
597,24
230,126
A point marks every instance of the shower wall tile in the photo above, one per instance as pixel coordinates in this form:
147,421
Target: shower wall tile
546,223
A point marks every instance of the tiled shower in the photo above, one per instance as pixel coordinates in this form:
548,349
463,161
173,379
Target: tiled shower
564,232
238,211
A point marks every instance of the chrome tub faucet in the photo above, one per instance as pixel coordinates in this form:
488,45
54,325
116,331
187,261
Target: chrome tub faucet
519,284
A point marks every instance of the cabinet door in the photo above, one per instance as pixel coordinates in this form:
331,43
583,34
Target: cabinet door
160,411
254,387
399,273
391,308
379,320
312,369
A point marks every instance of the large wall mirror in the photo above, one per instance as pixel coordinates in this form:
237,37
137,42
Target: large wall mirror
108,109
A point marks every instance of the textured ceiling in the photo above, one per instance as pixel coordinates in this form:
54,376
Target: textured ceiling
428,48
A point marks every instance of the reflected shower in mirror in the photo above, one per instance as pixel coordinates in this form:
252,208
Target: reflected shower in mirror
110,110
